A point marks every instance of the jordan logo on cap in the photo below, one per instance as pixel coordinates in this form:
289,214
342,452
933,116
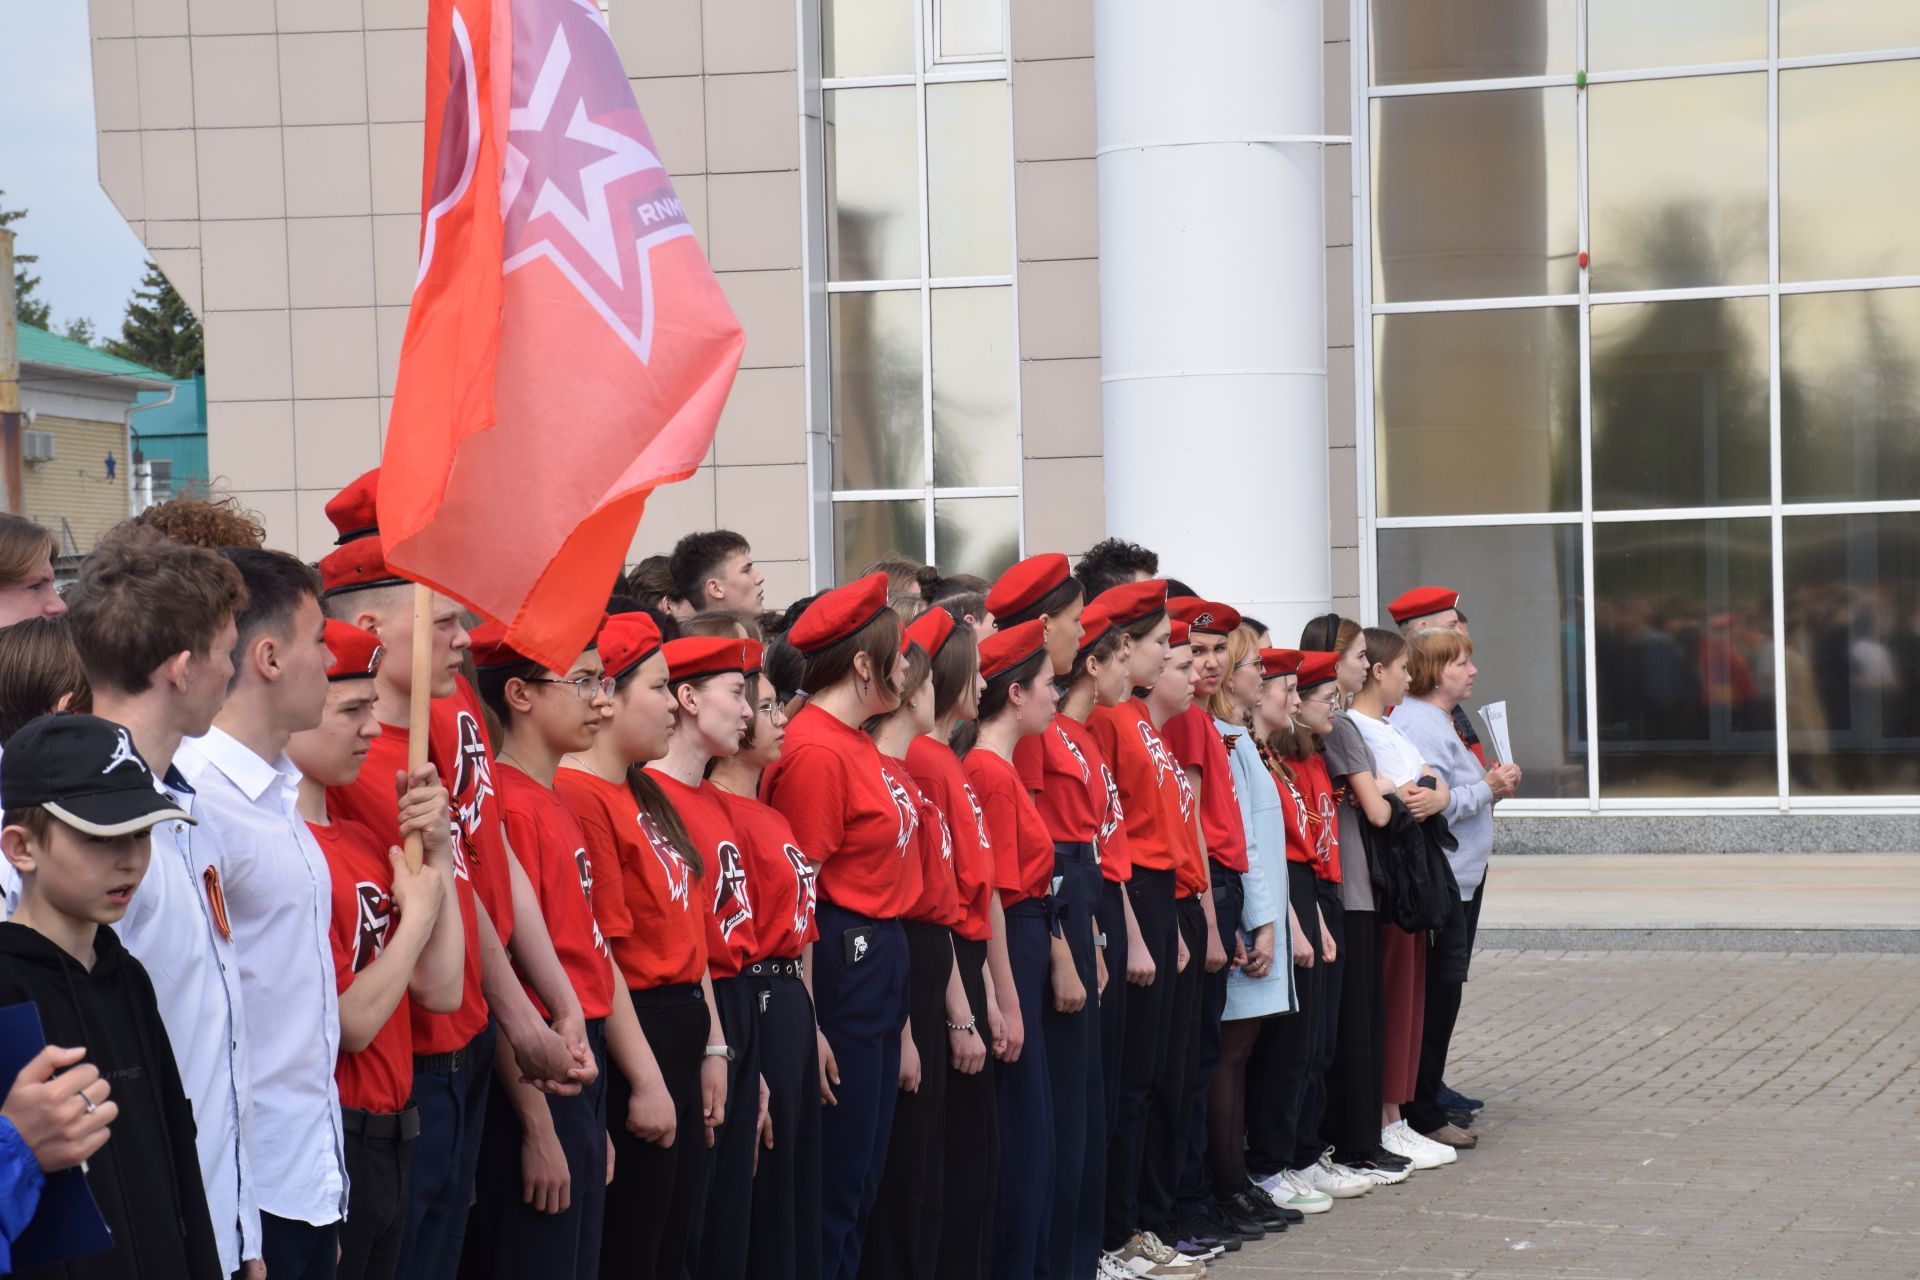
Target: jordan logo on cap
123,753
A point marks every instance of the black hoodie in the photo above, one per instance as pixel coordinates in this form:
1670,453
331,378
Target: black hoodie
147,1176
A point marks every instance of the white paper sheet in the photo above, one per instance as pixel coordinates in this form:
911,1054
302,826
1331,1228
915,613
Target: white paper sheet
1495,716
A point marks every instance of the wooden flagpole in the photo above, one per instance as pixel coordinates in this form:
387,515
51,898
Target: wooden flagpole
420,701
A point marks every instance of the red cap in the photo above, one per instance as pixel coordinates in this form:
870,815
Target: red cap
1027,583
1132,601
1422,601
1010,646
352,510
1095,621
625,641
1177,634
1205,615
931,631
1279,662
356,653
1317,667
834,615
356,566
691,657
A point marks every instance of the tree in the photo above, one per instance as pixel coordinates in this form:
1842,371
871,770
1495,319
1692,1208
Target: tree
160,332
27,308
80,329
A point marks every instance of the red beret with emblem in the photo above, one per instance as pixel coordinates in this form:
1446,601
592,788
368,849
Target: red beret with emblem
1279,662
1009,647
931,631
353,510
1317,667
691,657
1422,601
625,641
1132,601
1205,615
1027,583
356,653
839,613
1095,621
356,566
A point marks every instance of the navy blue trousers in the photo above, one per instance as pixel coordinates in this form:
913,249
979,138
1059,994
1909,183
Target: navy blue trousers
1170,1109
1143,1055
718,1245
785,1232
1073,1074
905,1224
862,1005
453,1114
972,1174
1113,1005
1025,1211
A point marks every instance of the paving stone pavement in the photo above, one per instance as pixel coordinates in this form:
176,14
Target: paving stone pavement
1659,1114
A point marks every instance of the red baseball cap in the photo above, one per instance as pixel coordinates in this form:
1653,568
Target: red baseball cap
353,509
1027,583
931,631
1008,647
844,611
1423,601
356,653
1205,615
625,641
1279,662
1095,621
359,564
1131,601
1317,667
691,657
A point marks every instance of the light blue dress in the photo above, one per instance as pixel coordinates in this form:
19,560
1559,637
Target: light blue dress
1264,885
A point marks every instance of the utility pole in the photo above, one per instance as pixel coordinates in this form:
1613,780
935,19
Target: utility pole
10,478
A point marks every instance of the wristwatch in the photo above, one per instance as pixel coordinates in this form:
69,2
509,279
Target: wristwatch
720,1051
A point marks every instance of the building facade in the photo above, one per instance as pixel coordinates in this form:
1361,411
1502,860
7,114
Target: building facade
1596,312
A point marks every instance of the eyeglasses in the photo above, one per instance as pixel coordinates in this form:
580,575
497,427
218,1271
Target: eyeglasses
585,688
1317,700
1251,664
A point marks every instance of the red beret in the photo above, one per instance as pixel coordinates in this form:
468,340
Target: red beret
1205,615
1279,662
356,566
931,631
691,657
356,653
1132,601
490,647
1421,601
625,641
1317,667
1008,647
1178,634
1095,621
1026,584
844,611
352,510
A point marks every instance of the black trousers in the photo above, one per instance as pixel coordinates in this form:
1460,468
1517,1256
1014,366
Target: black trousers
972,1175
1073,1075
1283,1051
718,1245
298,1249
1352,1125
1170,1111
452,1098
905,1223
784,1235
1196,1180
1113,1005
1313,1139
1025,1211
1424,1114
378,1145
1143,1056
655,1194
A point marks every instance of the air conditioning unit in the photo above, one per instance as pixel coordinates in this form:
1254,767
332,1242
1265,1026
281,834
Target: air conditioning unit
37,446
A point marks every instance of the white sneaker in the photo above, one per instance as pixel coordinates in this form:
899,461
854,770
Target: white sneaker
1334,1180
1403,1141
1110,1268
1289,1190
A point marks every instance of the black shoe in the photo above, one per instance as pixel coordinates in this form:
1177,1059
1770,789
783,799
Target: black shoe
1234,1215
1463,1119
1197,1235
1213,1225
1257,1206
1380,1155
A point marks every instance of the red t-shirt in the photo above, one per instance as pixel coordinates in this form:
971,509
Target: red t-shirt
462,753
552,849
1155,796
725,892
1195,741
643,889
938,900
1073,785
370,802
380,1076
829,784
943,781
1319,829
780,879
1022,852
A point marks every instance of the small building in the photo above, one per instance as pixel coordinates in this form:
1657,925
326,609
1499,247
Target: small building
170,442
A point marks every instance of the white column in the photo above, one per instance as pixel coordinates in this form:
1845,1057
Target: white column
1213,311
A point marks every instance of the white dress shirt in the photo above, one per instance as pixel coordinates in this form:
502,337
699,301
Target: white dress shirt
280,901
170,929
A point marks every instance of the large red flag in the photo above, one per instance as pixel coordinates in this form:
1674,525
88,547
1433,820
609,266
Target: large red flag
568,349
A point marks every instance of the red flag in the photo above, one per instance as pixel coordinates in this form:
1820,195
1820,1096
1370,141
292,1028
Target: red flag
568,349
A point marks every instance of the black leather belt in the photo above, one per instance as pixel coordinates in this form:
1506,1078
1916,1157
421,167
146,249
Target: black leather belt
381,1126
773,969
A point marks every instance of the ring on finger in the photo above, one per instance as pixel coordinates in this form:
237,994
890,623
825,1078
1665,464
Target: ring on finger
89,1103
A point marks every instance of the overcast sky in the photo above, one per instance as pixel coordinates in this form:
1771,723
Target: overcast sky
89,260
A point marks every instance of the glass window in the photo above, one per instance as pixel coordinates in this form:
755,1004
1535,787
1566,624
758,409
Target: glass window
973,372
1680,403
1812,27
969,28
1677,182
1849,171
873,184
1478,412
1419,41
1624,35
865,531
1853,654
867,37
1683,613
1850,395
1475,195
1521,588
976,535
879,428
969,182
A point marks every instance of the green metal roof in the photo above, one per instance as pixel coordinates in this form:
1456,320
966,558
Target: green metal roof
37,346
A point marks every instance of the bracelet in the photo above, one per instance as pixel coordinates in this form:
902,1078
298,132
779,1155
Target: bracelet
970,1025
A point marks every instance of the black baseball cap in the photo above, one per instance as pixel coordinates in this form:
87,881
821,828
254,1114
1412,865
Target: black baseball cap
84,771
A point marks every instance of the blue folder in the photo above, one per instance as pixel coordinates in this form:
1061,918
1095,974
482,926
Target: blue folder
67,1223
